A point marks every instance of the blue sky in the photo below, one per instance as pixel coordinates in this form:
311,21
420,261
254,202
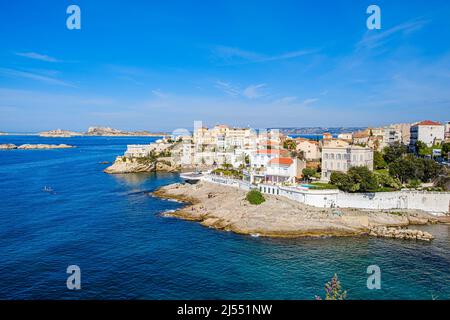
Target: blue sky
160,65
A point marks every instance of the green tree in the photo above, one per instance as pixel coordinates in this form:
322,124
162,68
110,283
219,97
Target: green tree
394,152
446,149
422,149
290,144
308,173
386,180
378,160
363,177
343,181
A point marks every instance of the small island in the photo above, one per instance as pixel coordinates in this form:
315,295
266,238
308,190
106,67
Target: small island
10,146
58,133
100,132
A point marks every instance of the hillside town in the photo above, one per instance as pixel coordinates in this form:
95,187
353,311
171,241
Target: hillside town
270,157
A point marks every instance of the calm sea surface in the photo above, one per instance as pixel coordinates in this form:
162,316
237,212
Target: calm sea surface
113,230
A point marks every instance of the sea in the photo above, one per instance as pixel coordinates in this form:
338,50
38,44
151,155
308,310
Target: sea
58,209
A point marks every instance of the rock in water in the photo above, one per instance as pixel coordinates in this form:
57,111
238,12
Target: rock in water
7,146
44,146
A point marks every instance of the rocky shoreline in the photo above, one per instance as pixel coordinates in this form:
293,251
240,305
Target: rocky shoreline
10,146
124,164
225,208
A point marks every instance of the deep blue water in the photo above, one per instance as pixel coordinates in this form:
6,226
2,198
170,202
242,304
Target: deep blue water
113,230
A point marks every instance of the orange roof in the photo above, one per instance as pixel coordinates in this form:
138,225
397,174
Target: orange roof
428,123
269,151
282,161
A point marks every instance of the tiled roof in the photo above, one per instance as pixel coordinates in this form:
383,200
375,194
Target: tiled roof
282,161
428,123
269,151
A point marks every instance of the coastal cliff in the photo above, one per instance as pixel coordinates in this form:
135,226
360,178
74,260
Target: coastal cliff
124,164
225,208
130,165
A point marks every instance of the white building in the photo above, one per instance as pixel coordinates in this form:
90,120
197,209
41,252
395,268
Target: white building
138,150
310,149
428,132
282,170
343,158
260,158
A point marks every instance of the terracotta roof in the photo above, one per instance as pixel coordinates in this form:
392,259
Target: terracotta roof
282,161
269,151
428,123
308,141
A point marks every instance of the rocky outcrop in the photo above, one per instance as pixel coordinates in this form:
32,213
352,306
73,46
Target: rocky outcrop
130,165
167,165
400,233
44,146
107,131
58,133
225,208
7,146
35,146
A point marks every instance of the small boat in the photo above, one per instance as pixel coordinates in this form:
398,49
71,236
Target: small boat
47,189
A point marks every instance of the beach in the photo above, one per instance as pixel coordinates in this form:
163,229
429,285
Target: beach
225,208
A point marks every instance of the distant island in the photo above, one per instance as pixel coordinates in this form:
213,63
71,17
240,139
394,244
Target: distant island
99,131
10,146
58,133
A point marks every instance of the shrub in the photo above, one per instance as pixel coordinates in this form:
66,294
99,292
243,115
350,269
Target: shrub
255,197
333,290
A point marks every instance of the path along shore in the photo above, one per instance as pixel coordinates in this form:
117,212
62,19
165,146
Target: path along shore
225,208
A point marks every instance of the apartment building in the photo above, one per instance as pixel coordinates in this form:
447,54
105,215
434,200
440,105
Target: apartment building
343,158
310,148
428,132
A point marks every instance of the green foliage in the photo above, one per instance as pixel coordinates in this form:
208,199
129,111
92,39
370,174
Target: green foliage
422,149
394,152
363,177
343,181
333,290
255,197
385,180
229,172
290,144
446,149
414,183
378,160
322,186
413,168
357,179
308,173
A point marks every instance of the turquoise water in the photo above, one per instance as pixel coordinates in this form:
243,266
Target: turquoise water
113,230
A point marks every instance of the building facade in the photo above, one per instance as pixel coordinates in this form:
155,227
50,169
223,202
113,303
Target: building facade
343,158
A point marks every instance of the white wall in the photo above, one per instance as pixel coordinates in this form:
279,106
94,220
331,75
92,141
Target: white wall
432,202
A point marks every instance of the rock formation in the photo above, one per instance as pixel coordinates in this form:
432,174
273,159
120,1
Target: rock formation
34,146
58,133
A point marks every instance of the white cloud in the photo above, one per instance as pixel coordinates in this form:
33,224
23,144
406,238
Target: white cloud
228,88
37,56
374,39
237,55
13,73
254,91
